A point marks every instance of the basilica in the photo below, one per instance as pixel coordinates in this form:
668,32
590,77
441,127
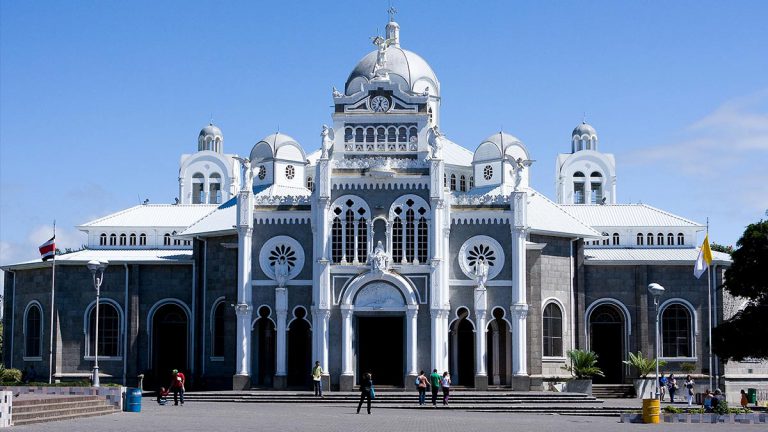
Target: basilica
385,247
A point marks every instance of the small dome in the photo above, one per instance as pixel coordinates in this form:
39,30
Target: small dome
405,68
278,146
211,130
210,138
499,144
584,129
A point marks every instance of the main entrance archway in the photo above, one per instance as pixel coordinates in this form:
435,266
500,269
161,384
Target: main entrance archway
170,336
380,341
606,338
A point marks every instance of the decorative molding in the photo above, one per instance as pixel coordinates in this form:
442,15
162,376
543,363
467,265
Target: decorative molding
285,248
275,200
467,199
282,217
380,162
243,309
519,310
379,295
480,217
363,183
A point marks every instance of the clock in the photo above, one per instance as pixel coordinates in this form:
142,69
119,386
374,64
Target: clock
380,104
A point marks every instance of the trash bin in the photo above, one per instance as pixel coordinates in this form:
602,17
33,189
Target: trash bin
752,396
651,410
133,400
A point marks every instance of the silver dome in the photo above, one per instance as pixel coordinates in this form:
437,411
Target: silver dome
584,129
405,67
211,130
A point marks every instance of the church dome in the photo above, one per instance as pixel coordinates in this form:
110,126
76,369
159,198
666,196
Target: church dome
278,146
406,68
499,145
584,129
210,138
211,130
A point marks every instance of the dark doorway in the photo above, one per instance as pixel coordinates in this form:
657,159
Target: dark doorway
461,346
496,341
263,348
299,351
606,336
380,342
170,331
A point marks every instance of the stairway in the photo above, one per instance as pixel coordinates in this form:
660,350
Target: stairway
613,391
502,400
53,408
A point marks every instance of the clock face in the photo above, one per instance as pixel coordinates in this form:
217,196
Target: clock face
380,104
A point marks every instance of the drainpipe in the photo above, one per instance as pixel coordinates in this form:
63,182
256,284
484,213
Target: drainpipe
13,316
125,328
572,297
205,286
713,320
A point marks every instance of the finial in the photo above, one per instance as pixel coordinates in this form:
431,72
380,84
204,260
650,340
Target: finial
211,120
584,118
392,11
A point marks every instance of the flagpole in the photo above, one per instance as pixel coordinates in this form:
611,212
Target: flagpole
53,291
709,308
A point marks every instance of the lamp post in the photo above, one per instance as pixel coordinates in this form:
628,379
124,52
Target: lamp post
97,271
656,291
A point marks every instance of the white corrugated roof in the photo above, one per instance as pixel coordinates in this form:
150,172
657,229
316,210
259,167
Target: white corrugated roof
671,256
114,256
221,220
454,154
546,217
626,215
153,215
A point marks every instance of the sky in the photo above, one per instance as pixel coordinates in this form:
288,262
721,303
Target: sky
99,99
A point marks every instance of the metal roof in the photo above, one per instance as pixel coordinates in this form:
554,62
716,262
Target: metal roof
114,256
153,215
221,220
454,154
546,217
626,215
648,255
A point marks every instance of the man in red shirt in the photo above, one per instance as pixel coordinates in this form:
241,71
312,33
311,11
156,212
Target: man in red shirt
177,386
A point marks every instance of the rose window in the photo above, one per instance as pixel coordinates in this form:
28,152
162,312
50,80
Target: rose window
262,172
487,172
481,252
282,253
290,172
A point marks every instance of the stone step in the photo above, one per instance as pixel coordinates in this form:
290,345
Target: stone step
54,408
613,390
104,411
49,399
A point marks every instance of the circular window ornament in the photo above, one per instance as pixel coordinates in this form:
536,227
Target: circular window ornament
481,248
281,250
290,172
262,172
487,172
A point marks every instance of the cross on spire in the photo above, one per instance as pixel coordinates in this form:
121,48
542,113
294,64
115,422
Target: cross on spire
392,11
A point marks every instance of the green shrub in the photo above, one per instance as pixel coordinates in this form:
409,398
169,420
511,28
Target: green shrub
687,367
10,376
643,365
583,364
669,409
696,411
721,408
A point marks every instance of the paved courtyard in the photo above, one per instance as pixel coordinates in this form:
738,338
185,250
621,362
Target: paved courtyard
232,417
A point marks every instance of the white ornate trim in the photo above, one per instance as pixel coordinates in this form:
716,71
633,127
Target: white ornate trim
481,246
281,246
349,293
281,200
469,199
379,296
342,183
377,162
285,217
480,217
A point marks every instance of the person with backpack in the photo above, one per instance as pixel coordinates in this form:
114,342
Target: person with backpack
366,391
445,384
662,386
421,385
434,381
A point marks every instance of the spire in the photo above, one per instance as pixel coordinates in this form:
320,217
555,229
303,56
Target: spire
393,28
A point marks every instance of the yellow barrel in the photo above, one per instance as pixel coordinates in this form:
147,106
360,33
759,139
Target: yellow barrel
651,410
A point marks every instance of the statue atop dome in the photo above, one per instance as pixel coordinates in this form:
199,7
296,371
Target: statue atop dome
380,70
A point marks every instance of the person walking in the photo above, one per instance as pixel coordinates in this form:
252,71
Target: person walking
177,386
744,400
317,379
689,385
434,381
445,383
672,385
421,386
366,388
662,386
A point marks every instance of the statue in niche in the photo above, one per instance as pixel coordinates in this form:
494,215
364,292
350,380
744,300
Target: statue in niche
436,141
379,258
327,143
481,273
281,271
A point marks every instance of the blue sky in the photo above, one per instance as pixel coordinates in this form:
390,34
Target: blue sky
98,99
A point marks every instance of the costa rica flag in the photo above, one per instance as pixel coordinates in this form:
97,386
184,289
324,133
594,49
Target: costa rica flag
48,249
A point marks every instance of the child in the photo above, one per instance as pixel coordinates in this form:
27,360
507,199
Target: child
162,396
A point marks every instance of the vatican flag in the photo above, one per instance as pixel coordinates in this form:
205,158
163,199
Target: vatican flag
704,259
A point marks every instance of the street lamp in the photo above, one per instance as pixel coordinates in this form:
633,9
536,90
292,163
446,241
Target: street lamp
656,291
97,270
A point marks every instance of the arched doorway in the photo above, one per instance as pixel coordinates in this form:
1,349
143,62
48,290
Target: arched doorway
606,339
170,336
498,340
461,346
299,349
263,349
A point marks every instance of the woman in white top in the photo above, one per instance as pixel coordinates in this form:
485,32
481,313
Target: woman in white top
689,389
445,384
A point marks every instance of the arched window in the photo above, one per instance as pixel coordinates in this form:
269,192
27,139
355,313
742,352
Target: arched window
660,239
349,232
463,183
214,189
369,133
615,239
311,184
553,331
391,134
198,191
217,330
676,331
142,239
33,331
639,239
650,239
453,182
670,239
471,182
359,135
402,135
109,331
103,239
132,239
410,230
680,239
167,239
445,180
381,134
122,239
348,134
113,239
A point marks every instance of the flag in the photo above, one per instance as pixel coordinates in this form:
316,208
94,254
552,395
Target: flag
48,249
704,260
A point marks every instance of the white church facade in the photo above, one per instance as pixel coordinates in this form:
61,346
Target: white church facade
390,249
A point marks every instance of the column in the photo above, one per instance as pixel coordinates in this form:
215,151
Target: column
519,306
481,353
495,342
281,310
346,340
412,315
519,330
242,378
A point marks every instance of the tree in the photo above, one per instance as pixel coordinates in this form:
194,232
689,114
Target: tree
721,248
744,334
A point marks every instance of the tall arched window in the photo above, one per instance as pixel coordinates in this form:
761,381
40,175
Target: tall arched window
167,239
639,239
676,331
109,331
670,239
660,239
132,239
103,239
198,188
311,184
33,331
113,239
615,239
650,239
453,182
553,331
214,189
445,180
680,239
471,182
217,330
349,232
142,239
463,183
122,239
410,230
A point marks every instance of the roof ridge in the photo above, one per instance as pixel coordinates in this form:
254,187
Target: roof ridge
562,210
111,215
218,207
671,214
